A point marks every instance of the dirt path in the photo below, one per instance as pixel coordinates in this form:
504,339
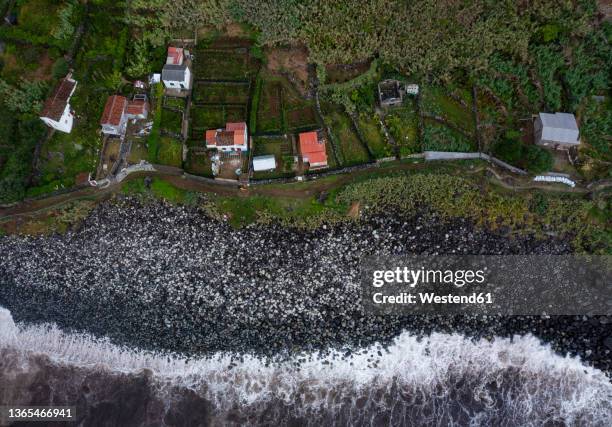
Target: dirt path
300,190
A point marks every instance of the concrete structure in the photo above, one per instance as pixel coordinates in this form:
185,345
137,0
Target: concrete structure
137,108
412,89
176,74
558,130
235,137
56,112
312,149
390,93
264,163
114,119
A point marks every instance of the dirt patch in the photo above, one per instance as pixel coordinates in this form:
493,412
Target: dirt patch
234,30
340,73
353,211
292,60
43,72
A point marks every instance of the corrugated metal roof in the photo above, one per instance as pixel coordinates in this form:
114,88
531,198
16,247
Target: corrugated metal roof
264,163
559,127
174,73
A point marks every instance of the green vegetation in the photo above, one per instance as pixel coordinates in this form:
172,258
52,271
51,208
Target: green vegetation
171,121
371,130
402,123
160,189
438,137
222,64
170,152
198,164
453,196
538,159
221,93
153,140
353,151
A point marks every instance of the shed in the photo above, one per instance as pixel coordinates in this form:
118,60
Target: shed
558,130
264,163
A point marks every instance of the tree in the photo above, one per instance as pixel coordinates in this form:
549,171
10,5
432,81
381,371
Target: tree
60,68
509,150
538,159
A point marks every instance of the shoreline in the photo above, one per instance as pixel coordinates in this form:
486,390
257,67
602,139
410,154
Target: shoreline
186,295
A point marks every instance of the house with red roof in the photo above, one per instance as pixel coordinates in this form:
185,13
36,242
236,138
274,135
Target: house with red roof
234,137
176,74
113,119
312,149
56,112
118,110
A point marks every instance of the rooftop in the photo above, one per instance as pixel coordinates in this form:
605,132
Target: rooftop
113,110
175,56
56,104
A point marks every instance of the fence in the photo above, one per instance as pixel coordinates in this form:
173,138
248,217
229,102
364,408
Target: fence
452,155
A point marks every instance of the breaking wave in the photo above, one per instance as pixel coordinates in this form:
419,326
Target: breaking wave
437,380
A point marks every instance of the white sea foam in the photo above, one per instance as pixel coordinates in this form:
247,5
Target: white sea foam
417,367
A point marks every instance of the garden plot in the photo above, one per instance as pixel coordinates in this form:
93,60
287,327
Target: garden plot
438,137
452,107
270,109
282,150
299,112
221,93
173,103
172,121
403,125
352,150
198,163
231,64
215,116
370,128
170,152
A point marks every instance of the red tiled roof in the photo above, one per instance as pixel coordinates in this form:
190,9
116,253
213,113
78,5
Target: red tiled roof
175,56
233,134
210,137
239,137
317,157
56,104
137,107
312,148
113,110
235,126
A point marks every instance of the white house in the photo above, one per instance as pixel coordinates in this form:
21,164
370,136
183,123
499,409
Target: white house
176,74
56,112
114,119
234,137
558,130
264,163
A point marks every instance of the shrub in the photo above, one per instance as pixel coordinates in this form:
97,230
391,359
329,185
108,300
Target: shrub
509,150
538,159
60,68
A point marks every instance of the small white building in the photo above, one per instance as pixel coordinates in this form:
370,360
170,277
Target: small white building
558,130
56,112
264,163
176,73
412,89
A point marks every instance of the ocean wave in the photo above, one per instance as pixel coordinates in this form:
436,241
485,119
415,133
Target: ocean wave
441,377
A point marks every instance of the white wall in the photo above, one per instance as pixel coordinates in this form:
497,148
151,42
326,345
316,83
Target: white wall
64,124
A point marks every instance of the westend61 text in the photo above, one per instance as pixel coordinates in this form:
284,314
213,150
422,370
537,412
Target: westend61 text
431,298
412,277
